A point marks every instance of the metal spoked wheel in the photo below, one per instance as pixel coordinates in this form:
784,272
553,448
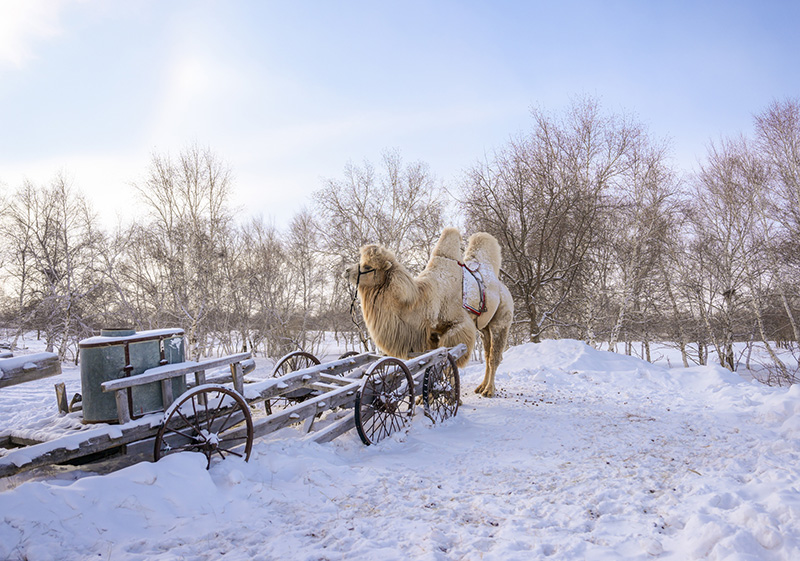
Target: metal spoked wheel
385,402
441,388
292,362
207,419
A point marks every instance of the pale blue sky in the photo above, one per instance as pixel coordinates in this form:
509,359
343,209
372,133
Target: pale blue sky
288,92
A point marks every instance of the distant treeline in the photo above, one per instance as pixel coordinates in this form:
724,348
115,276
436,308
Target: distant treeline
603,240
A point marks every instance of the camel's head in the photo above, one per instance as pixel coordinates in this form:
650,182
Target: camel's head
371,270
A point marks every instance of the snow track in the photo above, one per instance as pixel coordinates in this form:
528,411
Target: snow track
583,455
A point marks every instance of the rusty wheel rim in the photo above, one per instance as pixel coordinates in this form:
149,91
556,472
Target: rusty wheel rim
385,402
441,388
294,361
212,420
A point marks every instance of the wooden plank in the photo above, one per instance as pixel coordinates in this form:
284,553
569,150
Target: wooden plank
171,371
458,351
325,387
19,440
75,446
334,430
337,398
338,380
248,366
17,370
347,369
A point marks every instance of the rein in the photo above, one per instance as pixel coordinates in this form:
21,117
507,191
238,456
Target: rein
355,293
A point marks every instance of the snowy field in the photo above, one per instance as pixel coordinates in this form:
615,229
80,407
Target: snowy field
582,455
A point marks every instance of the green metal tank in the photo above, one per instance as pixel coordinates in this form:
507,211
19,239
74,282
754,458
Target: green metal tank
118,353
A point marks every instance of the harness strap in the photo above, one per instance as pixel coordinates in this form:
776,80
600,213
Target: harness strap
481,289
358,281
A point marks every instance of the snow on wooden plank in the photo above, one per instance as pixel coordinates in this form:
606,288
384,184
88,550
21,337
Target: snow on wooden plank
17,370
159,373
336,398
83,443
347,369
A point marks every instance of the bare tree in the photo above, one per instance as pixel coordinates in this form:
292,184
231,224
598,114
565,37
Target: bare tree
267,275
400,206
544,197
188,219
643,218
54,243
729,243
778,138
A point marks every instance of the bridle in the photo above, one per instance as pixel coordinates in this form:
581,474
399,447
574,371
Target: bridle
358,281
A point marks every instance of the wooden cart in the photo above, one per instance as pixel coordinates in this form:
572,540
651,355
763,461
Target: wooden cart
220,414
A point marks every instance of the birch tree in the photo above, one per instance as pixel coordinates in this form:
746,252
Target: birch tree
52,235
778,140
187,220
400,206
544,197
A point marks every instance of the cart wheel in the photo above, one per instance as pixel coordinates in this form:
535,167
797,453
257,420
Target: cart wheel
296,360
385,402
209,419
441,390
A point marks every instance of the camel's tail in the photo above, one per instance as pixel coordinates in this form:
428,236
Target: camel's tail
484,248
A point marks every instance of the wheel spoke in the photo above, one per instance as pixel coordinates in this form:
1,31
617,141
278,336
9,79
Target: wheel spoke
440,390
188,422
222,451
208,409
217,410
179,433
386,401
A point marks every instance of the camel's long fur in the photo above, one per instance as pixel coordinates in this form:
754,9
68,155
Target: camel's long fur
408,315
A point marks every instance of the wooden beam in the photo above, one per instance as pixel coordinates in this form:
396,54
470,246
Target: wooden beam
81,444
159,373
334,430
337,398
20,369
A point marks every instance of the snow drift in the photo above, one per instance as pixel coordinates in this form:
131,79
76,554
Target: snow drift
582,455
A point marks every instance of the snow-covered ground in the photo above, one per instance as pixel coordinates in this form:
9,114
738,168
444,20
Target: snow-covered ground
582,455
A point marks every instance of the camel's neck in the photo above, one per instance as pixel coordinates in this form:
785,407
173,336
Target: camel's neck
393,313
399,292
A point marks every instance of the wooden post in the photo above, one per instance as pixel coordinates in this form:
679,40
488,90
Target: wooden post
238,377
61,398
166,392
123,413
200,379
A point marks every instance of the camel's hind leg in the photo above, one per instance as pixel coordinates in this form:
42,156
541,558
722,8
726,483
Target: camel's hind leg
494,343
486,340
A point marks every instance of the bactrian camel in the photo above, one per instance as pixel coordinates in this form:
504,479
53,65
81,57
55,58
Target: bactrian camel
407,315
